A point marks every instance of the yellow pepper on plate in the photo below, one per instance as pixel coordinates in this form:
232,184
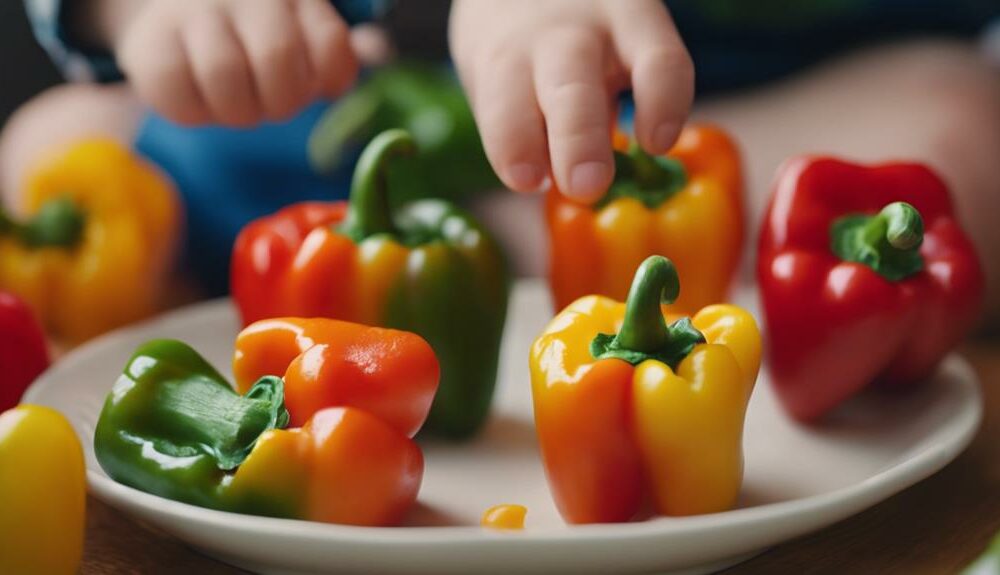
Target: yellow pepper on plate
630,408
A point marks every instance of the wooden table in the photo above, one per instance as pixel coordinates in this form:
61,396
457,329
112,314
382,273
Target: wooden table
937,526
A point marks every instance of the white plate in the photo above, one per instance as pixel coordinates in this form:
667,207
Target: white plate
797,479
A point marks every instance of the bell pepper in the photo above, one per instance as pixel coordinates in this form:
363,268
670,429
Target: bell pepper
174,427
630,408
686,205
98,245
865,276
426,267
24,354
425,100
43,493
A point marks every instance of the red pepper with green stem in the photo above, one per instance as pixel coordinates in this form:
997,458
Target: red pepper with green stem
865,276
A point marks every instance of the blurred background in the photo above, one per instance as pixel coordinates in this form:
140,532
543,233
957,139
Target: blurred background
25,70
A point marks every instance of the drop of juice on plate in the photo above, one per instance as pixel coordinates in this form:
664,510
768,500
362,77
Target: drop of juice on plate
505,516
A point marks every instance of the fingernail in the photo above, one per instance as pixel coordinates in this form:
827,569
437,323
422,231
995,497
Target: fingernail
664,135
525,177
589,179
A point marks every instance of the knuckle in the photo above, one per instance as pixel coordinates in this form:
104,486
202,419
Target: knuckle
566,100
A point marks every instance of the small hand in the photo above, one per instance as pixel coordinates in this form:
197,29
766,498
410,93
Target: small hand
234,62
543,76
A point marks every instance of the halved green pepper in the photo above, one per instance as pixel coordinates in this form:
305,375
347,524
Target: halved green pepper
173,426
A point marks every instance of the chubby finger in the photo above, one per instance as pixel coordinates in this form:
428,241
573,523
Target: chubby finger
221,70
573,95
328,46
154,60
272,38
660,68
510,122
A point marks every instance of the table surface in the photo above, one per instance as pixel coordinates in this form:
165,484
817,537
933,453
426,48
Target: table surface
936,526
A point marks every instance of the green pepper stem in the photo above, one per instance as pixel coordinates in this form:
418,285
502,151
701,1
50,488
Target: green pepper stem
644,328
887,242
904,228
651,180
369,212
222,423
58,223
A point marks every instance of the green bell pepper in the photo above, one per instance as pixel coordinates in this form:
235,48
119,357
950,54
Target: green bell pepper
425,100
174,427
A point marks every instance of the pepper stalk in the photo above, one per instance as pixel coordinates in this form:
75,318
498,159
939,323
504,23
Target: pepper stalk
58,223
887,242
644,333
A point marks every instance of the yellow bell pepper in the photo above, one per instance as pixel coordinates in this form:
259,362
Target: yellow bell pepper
99,242
43,493
629,408
687,206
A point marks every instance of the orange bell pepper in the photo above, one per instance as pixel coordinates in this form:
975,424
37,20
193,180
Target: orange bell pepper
687,206
629,408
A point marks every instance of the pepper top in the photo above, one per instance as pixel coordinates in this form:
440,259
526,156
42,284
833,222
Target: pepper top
887,242
644,333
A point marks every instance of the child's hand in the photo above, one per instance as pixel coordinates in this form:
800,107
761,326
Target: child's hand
543,76
234,62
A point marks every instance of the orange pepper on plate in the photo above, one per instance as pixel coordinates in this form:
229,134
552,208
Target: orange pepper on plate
686,205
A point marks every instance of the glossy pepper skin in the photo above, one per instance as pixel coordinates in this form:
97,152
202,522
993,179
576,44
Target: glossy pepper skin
427,267
24,353
865,275
631,409
43,493
687,206
99,242
174,427
427,101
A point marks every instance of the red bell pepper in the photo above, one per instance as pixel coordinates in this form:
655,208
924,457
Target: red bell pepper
23,351
865,276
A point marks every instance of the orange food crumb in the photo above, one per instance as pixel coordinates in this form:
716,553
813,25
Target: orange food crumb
505,516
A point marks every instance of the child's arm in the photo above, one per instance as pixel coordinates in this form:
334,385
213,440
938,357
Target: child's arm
543,76
232,62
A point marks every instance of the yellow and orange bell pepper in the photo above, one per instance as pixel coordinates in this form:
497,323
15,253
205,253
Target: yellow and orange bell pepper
687,206
98,243
43,493
629,408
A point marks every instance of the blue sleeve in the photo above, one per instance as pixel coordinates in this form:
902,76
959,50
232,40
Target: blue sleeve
50,19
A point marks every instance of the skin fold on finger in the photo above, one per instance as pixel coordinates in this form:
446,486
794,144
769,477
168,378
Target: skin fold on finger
510,122
662,74
273,40
570,80
328,46
221,69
